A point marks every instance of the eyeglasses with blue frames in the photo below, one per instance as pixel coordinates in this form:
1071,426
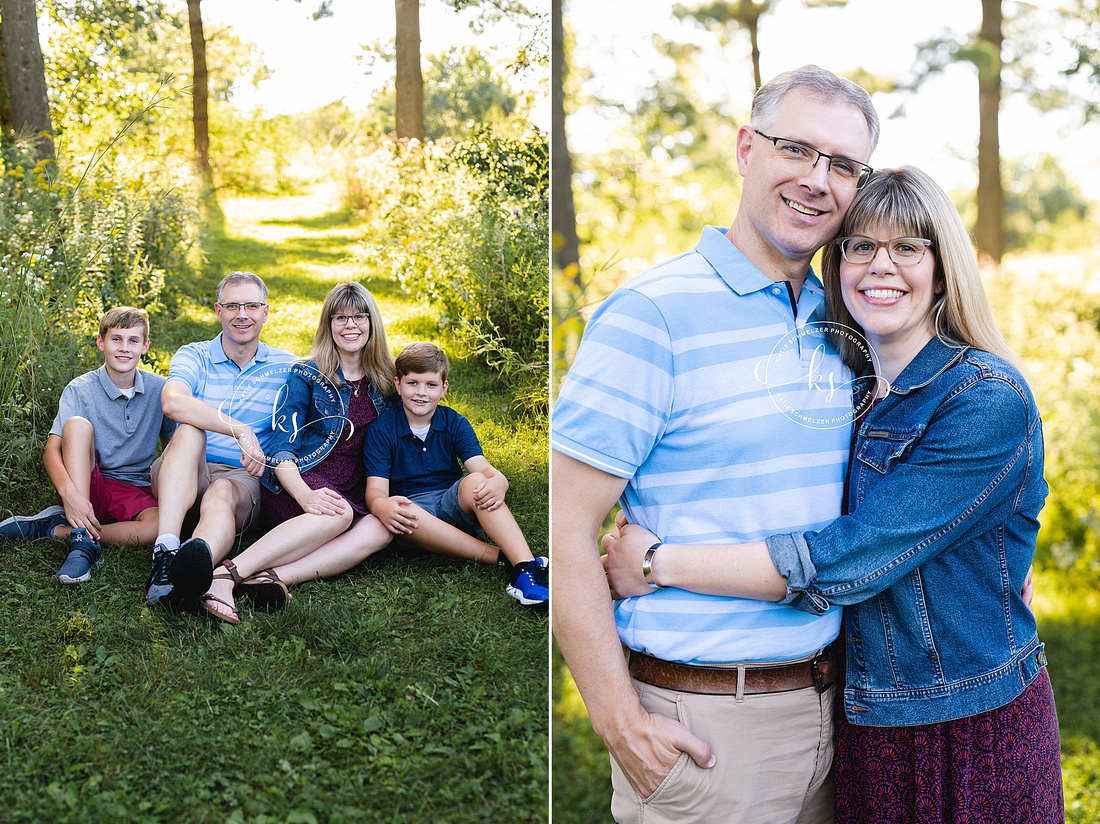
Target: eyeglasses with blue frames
843,171
233,308
904,251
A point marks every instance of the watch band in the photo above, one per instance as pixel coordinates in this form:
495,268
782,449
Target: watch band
647,566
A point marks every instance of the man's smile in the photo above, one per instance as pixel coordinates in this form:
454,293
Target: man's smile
802,208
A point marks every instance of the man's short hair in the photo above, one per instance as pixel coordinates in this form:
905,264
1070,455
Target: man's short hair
124,317
821,83
241,277
418,358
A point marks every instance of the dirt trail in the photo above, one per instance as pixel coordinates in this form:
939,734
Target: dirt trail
274,219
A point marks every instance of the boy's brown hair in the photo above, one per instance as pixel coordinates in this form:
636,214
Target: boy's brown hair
420,357
124,317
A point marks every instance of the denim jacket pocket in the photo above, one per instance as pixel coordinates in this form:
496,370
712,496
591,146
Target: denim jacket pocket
882,450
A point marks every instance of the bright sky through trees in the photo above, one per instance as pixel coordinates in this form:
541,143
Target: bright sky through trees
313,62
940,127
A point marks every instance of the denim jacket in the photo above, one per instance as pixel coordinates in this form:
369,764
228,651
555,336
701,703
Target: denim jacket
309,418
945,488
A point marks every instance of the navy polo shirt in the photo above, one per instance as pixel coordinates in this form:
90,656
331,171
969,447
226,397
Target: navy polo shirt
413,466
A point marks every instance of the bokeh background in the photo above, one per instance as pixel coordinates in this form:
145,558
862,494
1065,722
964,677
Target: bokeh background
997,100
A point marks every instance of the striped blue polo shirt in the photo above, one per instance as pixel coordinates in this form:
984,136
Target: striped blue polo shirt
251,395
731,417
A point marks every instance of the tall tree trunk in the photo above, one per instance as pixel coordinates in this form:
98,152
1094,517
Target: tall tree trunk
26,73
409,106
200,95
5,98
989,227
753,24
563,218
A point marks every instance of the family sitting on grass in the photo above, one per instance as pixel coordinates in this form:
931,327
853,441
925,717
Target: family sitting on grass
335,456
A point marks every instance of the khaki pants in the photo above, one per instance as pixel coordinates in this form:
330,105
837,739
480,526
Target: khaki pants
774,757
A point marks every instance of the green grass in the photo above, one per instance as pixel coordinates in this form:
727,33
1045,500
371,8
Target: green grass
409,689
1068,611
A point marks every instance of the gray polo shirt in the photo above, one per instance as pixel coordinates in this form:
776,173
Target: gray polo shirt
126,429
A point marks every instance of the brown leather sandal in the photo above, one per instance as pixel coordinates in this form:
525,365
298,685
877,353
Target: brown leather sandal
207,602
264,589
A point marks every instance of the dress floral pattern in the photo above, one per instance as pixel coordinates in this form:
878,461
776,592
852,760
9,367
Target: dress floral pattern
341,470
997,767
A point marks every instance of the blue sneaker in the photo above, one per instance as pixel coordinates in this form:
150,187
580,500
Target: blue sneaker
84,551
529,582
30,528
159,586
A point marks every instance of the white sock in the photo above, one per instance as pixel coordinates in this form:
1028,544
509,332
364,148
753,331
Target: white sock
169,541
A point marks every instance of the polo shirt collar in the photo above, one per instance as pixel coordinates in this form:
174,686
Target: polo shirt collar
736,270
217,353
113,392
403,427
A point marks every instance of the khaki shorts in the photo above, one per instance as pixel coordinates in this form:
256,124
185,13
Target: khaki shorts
214,471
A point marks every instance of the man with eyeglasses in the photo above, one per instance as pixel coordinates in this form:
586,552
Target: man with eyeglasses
222,393
688,402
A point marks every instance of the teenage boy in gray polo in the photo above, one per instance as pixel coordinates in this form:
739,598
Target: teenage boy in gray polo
99,450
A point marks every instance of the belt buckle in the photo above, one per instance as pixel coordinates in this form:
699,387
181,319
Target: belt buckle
818,676
815,671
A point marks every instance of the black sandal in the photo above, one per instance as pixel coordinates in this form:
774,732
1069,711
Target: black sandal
264,589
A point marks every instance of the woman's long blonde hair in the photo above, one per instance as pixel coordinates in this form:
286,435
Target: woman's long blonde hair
909,202
376,358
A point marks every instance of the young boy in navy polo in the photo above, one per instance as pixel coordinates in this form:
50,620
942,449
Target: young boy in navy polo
415,453
99,450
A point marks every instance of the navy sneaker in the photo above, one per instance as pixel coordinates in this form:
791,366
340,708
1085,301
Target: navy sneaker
29,528
190,573
529,582
159,586
84,551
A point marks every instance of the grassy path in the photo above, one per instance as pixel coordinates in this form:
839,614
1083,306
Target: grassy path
409,689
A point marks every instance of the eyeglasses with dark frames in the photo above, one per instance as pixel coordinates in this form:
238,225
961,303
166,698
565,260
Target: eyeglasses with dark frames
359,318
248,307
842,170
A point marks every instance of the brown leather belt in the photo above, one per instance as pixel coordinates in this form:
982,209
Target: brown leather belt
737,679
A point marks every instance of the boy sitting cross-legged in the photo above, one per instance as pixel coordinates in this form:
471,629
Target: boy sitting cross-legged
415,483
98,453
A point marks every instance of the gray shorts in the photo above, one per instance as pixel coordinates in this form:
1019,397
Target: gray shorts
443,504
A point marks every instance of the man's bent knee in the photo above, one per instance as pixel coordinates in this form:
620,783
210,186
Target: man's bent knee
187,435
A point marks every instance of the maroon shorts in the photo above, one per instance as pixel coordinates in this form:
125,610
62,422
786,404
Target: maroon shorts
117,500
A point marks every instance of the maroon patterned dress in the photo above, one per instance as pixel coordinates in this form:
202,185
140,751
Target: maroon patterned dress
997,767
341,470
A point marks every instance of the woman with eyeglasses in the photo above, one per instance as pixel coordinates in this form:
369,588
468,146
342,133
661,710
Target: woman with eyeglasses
948,713
314,499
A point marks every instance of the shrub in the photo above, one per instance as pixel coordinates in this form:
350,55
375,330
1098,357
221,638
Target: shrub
466,226
1049,309
69,250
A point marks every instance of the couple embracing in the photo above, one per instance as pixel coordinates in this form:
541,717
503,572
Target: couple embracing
800,620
